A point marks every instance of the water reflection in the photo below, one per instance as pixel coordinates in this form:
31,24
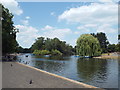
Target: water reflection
53,67
53,57
92,69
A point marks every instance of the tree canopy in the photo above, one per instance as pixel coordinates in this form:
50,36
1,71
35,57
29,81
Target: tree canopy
53,45
87,45
103,41
9,43
113,47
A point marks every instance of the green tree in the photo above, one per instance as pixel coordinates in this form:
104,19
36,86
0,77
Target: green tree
9,43
119,39
117,48
48,44
52,44
87,45
103,41
112,48
56,52
41,52
39,44
19,49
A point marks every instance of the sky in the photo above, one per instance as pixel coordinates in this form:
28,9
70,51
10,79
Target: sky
64,20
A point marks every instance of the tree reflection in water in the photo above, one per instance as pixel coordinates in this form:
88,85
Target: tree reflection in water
90,69
50,66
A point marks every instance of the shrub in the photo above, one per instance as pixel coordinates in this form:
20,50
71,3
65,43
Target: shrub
56,52
41,52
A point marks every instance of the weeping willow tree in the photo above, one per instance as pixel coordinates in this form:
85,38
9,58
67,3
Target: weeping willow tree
87,45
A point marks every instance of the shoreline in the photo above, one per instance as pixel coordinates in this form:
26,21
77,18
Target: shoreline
114,55
58,76
20,75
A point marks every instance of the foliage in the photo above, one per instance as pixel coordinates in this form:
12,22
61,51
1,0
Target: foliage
113,47
118,47
119,39
103,41
55,52
23,50
38,45
19,49
87,45
9,43
52,44
41,52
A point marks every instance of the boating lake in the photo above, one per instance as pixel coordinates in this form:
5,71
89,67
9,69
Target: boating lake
101,73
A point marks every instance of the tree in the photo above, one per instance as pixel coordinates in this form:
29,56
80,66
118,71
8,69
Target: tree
38,45
56,52
119,39
19,49
9,43
103,41
53,44
111,48
41,52
117,48
87,45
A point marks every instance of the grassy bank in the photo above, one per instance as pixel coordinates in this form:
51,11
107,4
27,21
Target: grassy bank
114,55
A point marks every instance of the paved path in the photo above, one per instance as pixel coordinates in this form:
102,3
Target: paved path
19,76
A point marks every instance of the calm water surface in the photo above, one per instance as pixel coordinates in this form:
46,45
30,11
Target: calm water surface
98,72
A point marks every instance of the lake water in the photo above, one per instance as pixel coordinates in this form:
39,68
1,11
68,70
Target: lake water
102,73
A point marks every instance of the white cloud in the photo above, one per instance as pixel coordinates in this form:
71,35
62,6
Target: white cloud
25,22
77,32
53,32
27,17
108,1
106,28
91,25
52,13
87,28
105,0
47,27
72,42
26,35
91,14
13,6
81,28
93,18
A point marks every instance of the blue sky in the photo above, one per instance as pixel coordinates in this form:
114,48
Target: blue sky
65,20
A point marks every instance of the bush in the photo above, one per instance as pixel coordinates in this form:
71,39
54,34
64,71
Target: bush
56,52
45,52
41,52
